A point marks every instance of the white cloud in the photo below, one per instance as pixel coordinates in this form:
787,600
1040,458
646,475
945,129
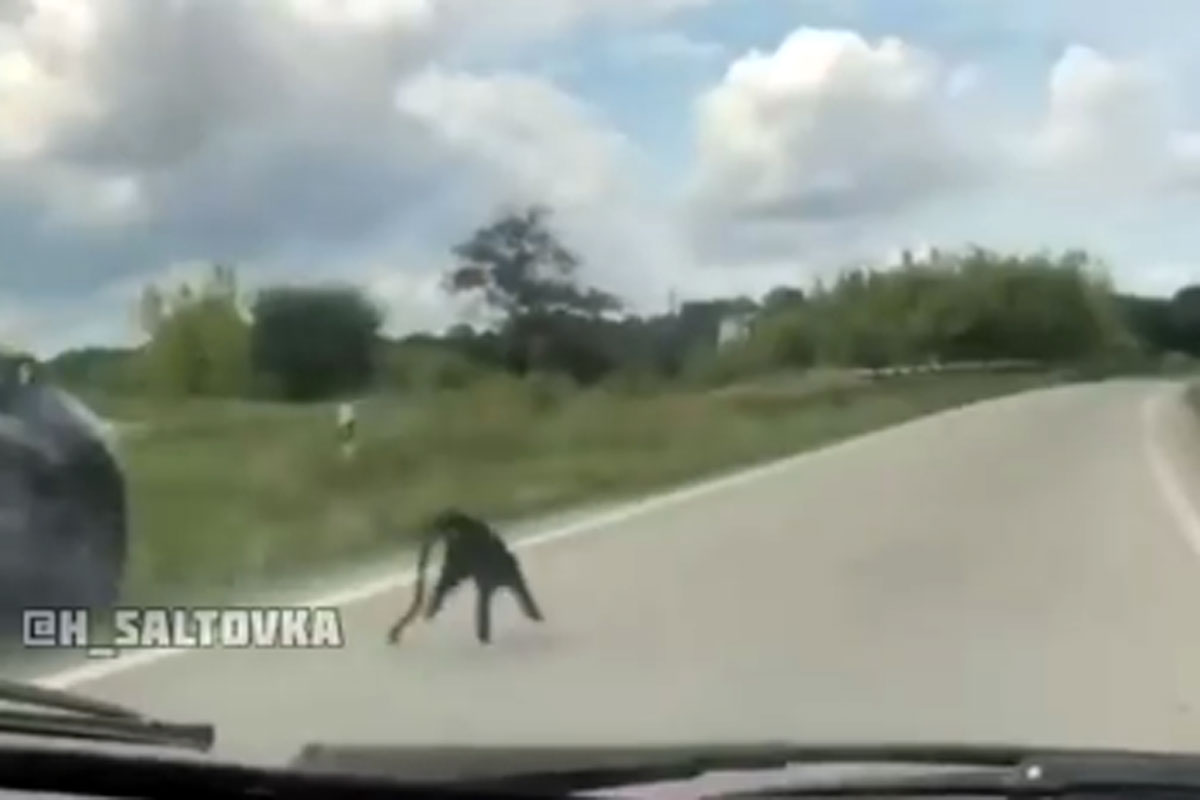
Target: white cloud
669,46
1163,279
532,140
487,143
827,126
832,148
963,79
347,138
522,20
16,325
415,301
828,130
46,326
1106,120
95,201
147,83
524,141
256,131
283,134
364,14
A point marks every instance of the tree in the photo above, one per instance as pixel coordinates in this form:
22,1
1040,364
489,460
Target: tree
1184,315
782,298
198,338
313,343
1150,319
523,269
104,368
531,278
973,305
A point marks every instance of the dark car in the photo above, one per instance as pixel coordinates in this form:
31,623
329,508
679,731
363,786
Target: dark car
63,519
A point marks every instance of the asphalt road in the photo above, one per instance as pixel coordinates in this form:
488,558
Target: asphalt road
1023,570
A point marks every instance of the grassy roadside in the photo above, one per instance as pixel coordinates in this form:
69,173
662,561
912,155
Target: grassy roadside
226,496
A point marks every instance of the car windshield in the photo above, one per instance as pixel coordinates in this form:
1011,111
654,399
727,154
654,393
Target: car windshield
753,370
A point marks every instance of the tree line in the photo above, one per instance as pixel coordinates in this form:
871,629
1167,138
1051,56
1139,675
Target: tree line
305,343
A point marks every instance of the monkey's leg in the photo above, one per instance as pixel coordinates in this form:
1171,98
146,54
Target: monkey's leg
449,581
483,611
520,588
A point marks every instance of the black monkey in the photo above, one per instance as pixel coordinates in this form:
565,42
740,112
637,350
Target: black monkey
472,551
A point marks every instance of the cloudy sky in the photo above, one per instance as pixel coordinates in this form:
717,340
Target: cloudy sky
703,145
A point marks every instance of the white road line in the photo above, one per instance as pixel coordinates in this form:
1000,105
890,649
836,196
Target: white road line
87,673
1165,476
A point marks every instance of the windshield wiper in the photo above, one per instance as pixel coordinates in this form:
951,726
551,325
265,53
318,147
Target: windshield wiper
587,768
1098,773
948,769
92,719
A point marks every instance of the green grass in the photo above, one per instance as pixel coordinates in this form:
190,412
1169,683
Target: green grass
226,495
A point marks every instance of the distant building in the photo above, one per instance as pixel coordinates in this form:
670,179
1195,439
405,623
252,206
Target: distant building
733,328
713,323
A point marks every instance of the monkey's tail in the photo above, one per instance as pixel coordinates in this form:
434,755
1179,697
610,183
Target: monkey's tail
418,598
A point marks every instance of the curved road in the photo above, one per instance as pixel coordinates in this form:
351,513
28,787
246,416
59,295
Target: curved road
1025,569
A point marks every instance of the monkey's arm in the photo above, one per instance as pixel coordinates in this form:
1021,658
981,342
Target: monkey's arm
418,598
